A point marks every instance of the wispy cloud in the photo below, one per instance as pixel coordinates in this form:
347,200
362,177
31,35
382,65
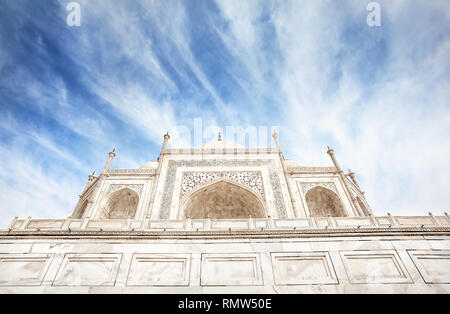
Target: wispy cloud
135,69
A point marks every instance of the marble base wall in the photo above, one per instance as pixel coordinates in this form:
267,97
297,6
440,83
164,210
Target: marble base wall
370,264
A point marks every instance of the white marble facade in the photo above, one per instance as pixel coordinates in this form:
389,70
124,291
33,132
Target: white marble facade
163,186
304,229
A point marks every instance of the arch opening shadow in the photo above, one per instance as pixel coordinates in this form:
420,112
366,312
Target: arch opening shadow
322,202
223,200
121,204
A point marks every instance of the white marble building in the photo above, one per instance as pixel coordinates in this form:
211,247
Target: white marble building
222,218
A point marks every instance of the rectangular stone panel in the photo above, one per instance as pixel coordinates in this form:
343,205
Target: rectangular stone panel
159,270
136,224
443,220
322,222
161,224
108,224
353,221
23,269
434,266
291,223
76,223
415,221
88,270
45,224
224,224
231,270
374,267
260,223
197,224
383,221
303,268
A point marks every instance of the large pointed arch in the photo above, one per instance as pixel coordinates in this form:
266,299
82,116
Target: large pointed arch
222,199
323,202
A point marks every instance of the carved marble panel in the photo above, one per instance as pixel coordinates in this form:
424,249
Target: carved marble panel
135,187
374,267
140,171
434,266
88,270
306,186
169,183
159,270
231,270
23,269
303,268
252,179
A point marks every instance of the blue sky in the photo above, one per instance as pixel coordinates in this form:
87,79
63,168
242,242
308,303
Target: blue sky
135,69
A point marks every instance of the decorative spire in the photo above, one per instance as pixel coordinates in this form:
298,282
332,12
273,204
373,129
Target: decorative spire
353,177
275,137
111,155
164,147
333,158
330,151
219,137
91,177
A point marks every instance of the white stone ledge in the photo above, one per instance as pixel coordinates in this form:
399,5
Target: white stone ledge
384,222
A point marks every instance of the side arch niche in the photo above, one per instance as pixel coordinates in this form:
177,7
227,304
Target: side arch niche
323,202
223,199
121,204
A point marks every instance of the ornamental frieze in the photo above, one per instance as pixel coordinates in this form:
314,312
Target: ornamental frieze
191,180
143,171
135,187
311,185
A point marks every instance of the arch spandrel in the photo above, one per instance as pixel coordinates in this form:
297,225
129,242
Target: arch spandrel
222,199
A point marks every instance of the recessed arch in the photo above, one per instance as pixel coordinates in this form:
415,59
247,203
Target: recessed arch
323,202
121,204
222,199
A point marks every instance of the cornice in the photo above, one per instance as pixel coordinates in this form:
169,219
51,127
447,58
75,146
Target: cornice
230,234
299,170
133,172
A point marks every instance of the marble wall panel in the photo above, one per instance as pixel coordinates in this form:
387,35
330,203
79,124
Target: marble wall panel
303,268
23,269
88,270
434,266
231,270
374,267
159,270
291,223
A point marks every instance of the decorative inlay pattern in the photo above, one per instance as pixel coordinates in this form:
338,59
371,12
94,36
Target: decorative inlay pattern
311,169
135,187
143,171
328,185
169,183
191,180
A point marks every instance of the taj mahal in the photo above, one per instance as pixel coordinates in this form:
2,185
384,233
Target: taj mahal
224,218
